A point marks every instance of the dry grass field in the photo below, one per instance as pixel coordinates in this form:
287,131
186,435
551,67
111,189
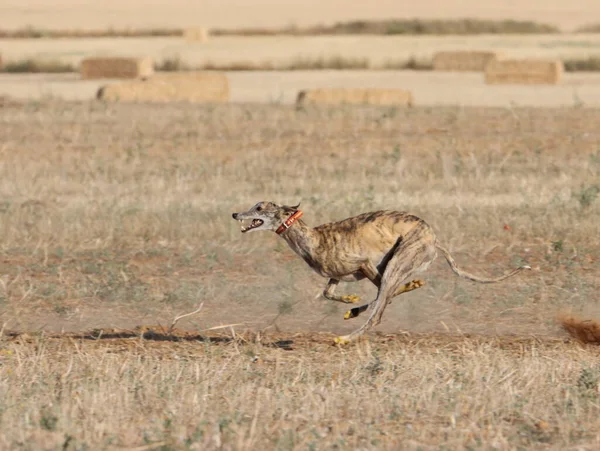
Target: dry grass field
298,392
117,216
373,55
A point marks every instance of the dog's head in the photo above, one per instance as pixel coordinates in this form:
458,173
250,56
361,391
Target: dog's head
265,216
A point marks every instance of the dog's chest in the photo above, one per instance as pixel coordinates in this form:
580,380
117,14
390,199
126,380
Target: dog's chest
333,263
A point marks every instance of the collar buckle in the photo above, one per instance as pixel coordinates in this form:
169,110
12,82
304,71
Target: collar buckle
289,222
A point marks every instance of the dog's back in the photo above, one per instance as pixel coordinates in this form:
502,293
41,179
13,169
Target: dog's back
371,232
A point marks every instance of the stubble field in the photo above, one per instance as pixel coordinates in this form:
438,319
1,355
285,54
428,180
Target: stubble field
117,216
376,55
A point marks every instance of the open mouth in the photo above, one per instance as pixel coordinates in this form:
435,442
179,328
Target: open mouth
253,225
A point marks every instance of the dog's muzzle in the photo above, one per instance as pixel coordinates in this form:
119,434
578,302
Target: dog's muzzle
254,224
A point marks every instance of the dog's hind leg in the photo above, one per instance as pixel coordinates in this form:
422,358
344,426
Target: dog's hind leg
329,293
412,256
371,272
405,288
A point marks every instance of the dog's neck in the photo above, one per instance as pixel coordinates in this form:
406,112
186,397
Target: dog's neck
301,238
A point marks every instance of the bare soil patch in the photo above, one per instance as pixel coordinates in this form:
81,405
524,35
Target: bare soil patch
157,341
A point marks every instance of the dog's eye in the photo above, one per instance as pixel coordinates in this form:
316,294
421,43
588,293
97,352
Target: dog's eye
259,208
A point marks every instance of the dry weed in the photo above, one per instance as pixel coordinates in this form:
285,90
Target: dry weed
36,66
176,63
403,26
393,26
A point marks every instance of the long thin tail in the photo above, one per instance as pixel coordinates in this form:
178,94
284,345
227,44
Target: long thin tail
465,275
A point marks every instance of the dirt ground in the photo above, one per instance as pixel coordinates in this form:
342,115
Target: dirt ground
160,341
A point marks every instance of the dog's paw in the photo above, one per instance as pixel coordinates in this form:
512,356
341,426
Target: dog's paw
353,313
351,299
414,284
342,340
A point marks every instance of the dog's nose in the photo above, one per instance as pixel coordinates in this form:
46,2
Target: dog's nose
234,216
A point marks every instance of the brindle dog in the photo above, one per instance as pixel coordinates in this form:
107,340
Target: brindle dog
386,247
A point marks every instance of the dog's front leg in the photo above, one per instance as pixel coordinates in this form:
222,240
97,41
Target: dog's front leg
329,293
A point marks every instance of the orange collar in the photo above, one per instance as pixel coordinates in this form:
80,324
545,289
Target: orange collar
288,222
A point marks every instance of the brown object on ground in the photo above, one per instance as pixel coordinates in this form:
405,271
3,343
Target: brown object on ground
116,67
355,97
195,87
463,61
584,330
525,71
196,34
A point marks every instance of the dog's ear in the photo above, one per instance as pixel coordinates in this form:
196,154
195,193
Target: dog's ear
291,209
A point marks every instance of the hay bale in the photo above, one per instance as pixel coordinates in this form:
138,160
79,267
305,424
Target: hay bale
116,67
355,96
196,34
525,71
195,87
463,61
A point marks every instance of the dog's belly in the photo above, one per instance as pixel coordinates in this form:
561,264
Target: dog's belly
337,269
343,265
352,277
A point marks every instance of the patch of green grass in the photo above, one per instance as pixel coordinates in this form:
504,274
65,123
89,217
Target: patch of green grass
48,420
587,195
558,246
285,307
